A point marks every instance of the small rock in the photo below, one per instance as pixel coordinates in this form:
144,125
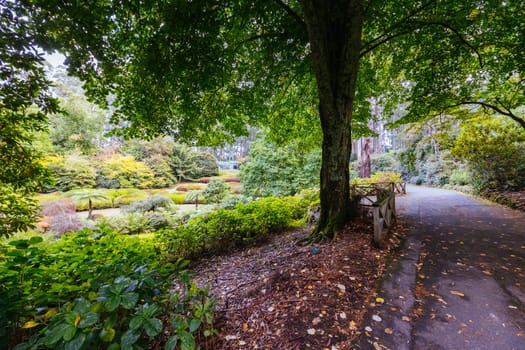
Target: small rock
311,331
368,329
377,318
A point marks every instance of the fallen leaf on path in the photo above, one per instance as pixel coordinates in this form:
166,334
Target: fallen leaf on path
380,300
389,330
455,292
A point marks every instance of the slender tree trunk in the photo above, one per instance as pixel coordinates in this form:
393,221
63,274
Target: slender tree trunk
90,209
334,29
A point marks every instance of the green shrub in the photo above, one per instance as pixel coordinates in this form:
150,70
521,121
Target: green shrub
383,162
71,171
460,178
177,198
216,190
222,229
206,165
125,196
130,223
271,170
494,149
124,172
163,174
150,204
97,289
230,201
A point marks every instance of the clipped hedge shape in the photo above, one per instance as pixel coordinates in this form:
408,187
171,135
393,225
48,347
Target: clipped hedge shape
222,230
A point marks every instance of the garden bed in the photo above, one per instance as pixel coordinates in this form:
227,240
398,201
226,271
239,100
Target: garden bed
281,295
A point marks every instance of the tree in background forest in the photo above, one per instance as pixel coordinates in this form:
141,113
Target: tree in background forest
24,103
206,70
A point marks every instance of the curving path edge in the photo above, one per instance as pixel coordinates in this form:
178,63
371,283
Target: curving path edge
458,282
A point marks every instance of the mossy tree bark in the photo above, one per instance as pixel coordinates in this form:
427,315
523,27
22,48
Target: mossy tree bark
334,29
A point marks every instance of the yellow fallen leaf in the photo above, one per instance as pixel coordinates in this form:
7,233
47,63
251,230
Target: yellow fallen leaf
405,318
455,292
519,334
380,300
50,313
77,321
389,330
30,324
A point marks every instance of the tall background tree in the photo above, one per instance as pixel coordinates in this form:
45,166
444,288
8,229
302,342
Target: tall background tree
24,102
206,70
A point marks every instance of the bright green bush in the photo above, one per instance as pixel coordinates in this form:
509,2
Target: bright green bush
177,198
494,149
206,165
163,174
18,211
72,171
460,178
279,171
384,162
222,229
216,190
124,172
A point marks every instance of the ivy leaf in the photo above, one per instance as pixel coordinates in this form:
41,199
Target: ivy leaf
112,303
55,334
129,300
129,338
76,343
153,327
88,320
107,334
70,333
195,324
171,344
135,323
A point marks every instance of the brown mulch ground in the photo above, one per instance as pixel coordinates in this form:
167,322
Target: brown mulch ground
517,198
284,296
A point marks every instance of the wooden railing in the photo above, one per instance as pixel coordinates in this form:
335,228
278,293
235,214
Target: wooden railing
380,200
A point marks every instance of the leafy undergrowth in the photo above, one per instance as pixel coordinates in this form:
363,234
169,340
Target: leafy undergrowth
515,199
284,296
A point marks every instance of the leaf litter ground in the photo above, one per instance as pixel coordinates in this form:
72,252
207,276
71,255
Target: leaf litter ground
281,295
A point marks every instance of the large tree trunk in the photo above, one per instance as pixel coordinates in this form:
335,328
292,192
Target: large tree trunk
334,29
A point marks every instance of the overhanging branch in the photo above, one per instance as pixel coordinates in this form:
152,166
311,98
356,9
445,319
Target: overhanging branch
503,111
291,12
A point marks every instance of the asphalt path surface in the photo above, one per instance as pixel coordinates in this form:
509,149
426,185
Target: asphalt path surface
457,283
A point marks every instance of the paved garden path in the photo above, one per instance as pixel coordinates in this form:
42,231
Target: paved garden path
459,280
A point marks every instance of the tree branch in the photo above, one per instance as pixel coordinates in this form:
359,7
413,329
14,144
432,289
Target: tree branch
291,12
383,41
385,37
461,38
507,112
